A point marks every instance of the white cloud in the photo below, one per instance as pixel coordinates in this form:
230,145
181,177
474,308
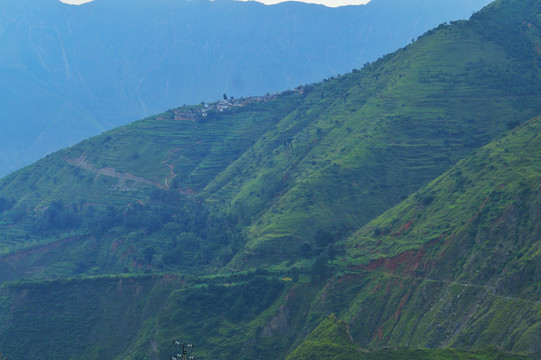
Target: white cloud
330,3
75,2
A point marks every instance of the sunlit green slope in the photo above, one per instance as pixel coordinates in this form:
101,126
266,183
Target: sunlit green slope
457,263
454,266
332,340
325,158
127,200
362,142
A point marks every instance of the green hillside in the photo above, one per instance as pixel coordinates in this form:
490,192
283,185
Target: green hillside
78,318
278,170
462,256
386,131
392,212
133,191
331,340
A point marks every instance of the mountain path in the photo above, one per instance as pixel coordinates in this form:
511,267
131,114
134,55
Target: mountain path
487,288
123,178
171,167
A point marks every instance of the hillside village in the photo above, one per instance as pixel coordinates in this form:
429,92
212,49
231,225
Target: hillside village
226,104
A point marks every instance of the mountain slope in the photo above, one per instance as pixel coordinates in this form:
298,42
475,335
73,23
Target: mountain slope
70,72
334,154
88,318
132,185
331,339
464,252
385,132
207,190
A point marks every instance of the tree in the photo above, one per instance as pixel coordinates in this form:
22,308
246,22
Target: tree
225,96
323,238
306,250
294,272
318,270
148,253
4,206
331,252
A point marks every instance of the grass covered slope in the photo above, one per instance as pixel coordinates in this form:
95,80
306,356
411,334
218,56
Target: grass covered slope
364,141
488,204
95,208
446,268
457,263
275,171
331,340
91,318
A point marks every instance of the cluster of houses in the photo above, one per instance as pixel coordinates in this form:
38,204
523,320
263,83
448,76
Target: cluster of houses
193,114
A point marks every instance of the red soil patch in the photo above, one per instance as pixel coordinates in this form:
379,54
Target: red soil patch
408,261
480,208
379,334
484,203
408,225
401,306
404,228
117,243
389,287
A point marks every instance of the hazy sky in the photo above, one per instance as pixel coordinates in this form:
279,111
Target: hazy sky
332,3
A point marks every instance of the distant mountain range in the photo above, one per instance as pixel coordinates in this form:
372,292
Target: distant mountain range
68,72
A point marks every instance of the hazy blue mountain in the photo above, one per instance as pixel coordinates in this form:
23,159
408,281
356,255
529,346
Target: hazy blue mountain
69,72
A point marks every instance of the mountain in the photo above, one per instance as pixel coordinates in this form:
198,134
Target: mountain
285,174
394,207
70,72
